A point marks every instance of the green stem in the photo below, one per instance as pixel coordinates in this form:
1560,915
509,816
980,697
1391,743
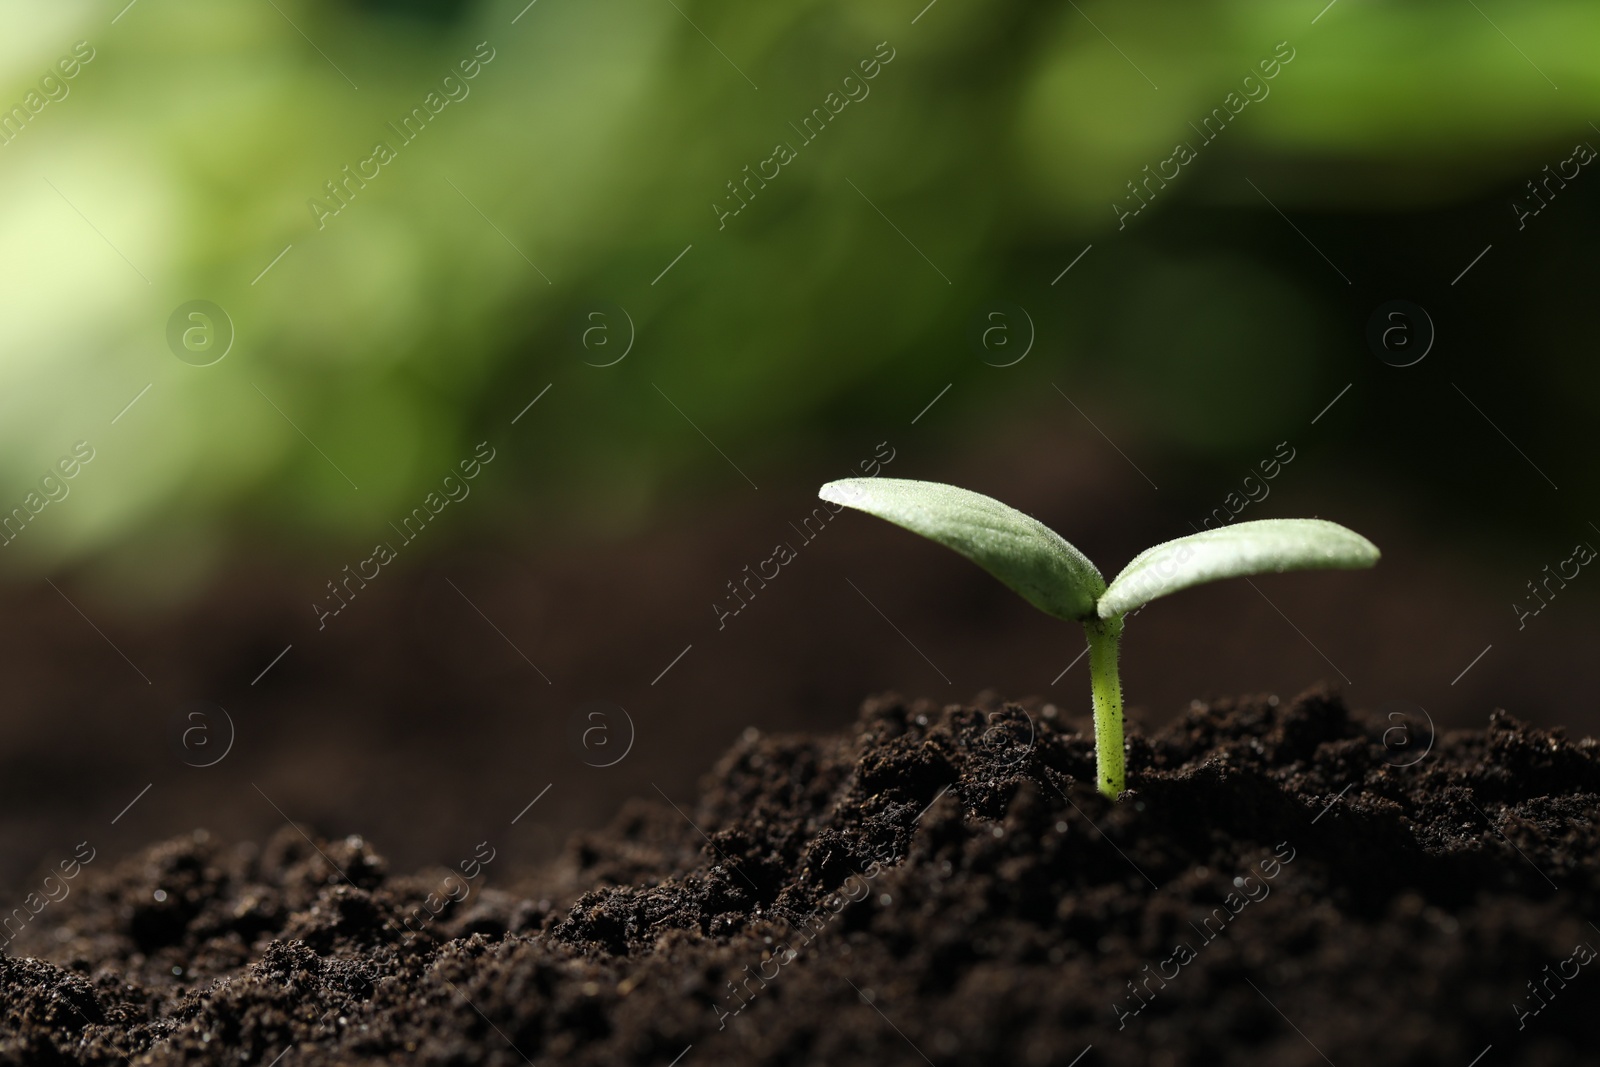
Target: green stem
1104,638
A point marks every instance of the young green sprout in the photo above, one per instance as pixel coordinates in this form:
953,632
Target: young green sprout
1056,578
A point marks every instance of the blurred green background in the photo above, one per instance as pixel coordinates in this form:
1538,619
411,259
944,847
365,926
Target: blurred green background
457,284
570,203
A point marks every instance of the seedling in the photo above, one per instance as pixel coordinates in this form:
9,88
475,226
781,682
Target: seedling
1056,578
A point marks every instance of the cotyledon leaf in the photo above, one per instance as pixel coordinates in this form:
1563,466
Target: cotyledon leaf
1018,549
1265,546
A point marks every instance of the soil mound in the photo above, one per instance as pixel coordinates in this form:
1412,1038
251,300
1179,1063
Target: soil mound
941,885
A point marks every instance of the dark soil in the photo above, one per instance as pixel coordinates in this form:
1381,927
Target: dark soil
939,885
421,724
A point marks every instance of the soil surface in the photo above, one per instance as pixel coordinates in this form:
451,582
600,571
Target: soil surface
938,884
419,720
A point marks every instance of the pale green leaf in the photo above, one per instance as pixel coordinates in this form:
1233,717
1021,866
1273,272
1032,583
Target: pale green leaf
1018,549
1266,546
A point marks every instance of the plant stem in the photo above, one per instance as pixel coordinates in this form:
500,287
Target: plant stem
1104,638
